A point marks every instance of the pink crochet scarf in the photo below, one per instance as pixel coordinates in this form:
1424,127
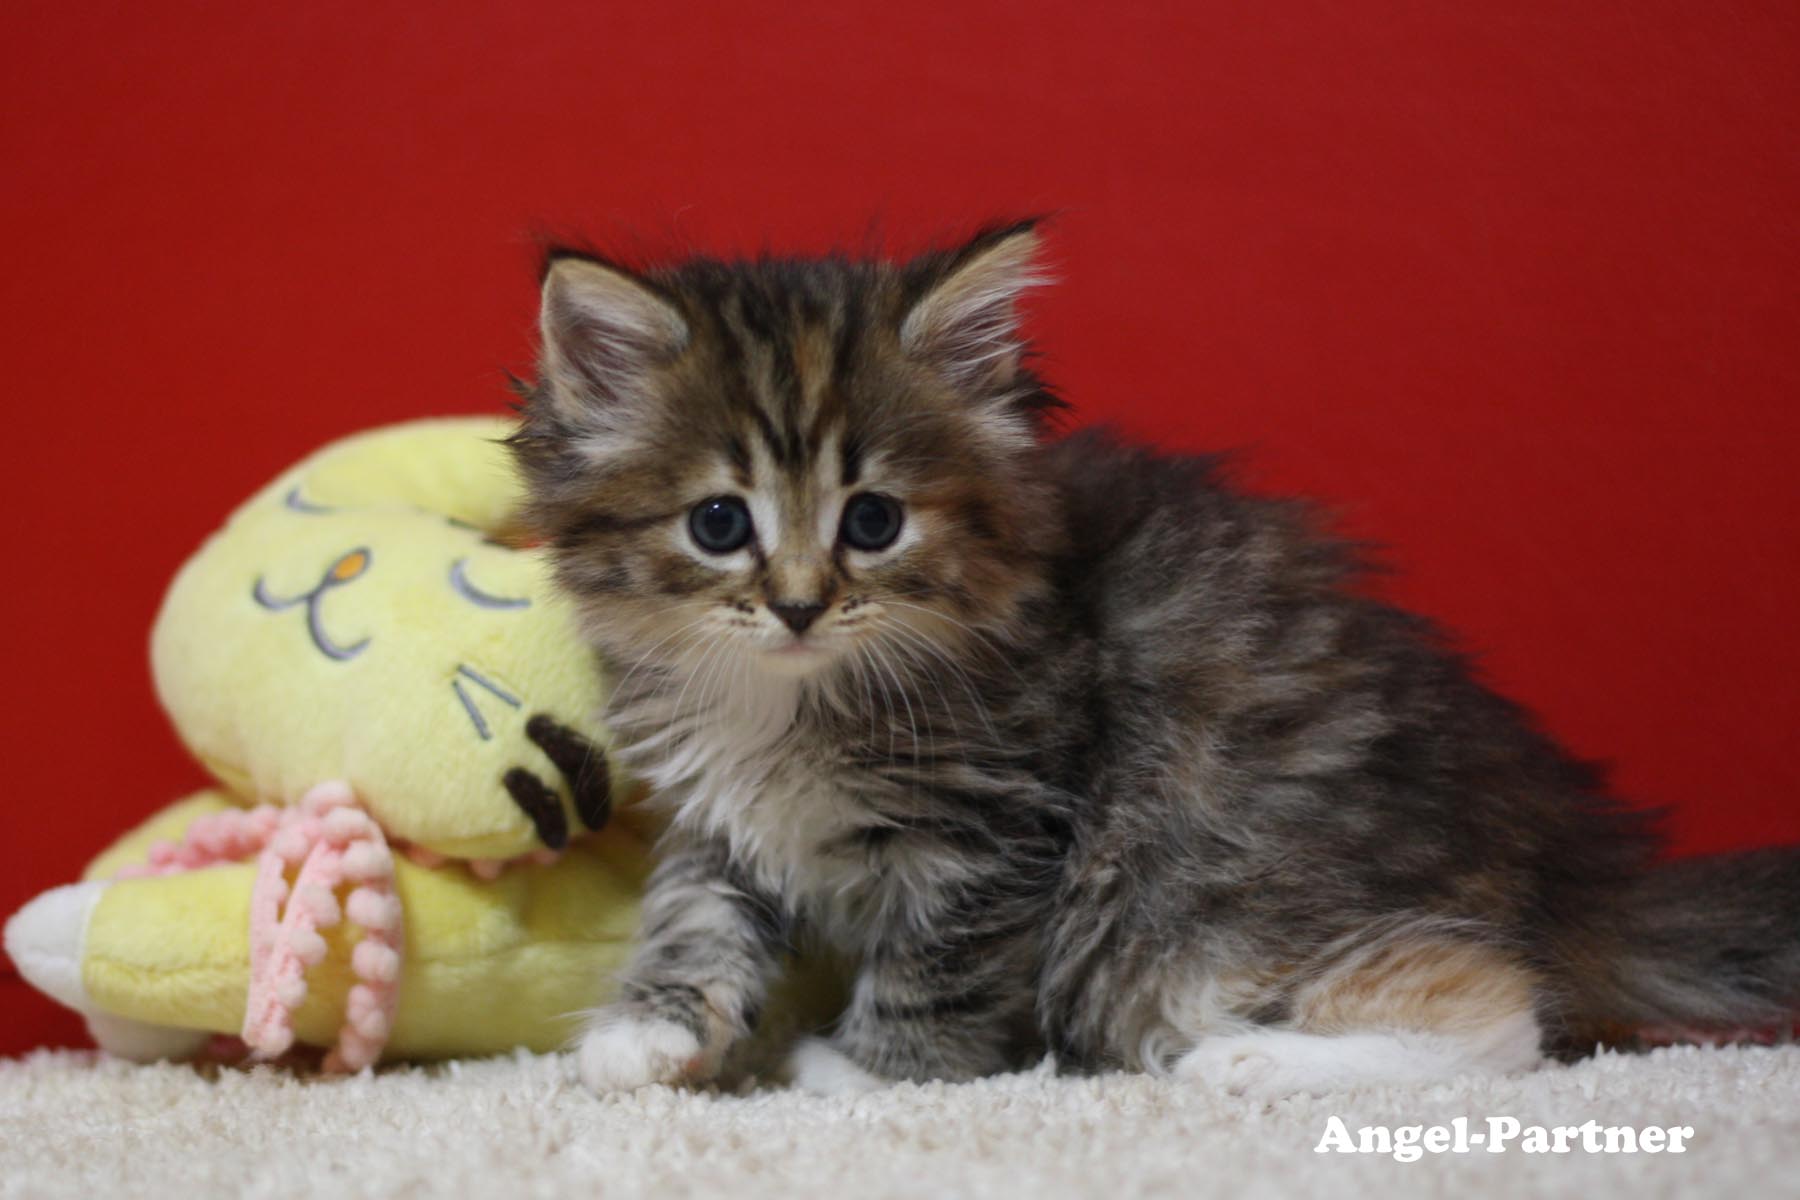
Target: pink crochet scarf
327,843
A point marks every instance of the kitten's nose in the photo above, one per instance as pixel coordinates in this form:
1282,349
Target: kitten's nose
797,616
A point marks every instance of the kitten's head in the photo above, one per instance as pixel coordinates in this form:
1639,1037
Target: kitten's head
790,463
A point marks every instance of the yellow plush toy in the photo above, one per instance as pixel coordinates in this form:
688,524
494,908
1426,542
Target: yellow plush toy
357,621
354,620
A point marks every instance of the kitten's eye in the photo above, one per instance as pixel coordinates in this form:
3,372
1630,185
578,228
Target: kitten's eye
720,525
871,522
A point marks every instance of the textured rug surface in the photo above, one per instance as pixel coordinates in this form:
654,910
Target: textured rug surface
75,1125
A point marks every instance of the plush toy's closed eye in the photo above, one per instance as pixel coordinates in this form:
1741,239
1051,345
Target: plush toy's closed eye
459,579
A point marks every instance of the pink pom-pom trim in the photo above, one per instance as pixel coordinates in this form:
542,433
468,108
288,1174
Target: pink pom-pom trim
334,844
329,843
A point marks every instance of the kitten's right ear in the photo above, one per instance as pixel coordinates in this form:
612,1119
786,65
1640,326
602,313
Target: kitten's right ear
966,320
604,331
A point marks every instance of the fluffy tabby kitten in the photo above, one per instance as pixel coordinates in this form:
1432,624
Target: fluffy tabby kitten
1070,747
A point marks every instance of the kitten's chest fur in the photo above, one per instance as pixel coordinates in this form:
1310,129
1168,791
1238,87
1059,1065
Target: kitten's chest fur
800,814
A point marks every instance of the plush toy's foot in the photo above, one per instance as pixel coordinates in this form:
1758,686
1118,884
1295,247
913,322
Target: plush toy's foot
625,1050
46,940
330,845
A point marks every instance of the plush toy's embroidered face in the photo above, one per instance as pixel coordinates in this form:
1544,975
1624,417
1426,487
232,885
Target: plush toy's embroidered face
339,573
352,565
356,621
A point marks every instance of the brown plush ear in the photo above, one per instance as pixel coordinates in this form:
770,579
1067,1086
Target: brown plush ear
966,322
604,332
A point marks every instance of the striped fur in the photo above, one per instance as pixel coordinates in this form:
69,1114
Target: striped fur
1099,757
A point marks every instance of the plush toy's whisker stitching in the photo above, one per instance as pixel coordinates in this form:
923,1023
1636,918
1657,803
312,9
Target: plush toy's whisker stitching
468,702
480,723
481,680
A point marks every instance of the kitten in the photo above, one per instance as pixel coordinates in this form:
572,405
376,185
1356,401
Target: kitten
1068,746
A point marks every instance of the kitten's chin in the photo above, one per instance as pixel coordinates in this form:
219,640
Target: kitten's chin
795,659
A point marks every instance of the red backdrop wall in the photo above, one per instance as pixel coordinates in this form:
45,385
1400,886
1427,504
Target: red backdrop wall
1513,285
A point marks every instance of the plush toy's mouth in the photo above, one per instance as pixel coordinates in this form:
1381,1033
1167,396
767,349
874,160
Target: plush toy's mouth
345,570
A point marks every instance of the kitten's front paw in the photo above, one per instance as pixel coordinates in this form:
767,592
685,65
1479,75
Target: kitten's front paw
626,1050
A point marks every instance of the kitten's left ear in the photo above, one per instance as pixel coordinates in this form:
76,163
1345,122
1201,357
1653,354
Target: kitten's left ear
966,321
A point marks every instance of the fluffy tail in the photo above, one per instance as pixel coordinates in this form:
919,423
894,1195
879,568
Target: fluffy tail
1704,942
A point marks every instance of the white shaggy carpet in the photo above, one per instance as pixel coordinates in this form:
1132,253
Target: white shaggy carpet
74,1125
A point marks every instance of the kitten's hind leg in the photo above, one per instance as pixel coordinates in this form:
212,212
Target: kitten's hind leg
1272,1063
1405,1011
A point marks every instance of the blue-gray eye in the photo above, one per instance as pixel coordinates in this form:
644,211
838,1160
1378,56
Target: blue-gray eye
720,525
871,522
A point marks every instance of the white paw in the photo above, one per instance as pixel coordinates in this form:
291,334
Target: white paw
1236,1065
626,1050
1272,1063
816,1066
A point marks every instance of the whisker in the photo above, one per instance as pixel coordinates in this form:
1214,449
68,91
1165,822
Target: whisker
981,636
646,657
900,686
919,642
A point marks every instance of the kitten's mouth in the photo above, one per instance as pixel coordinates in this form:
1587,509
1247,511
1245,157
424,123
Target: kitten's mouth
797,656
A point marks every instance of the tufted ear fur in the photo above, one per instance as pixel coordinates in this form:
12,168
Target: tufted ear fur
605,332
966,321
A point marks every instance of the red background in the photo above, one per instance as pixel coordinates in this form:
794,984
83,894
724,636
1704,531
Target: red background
1514,285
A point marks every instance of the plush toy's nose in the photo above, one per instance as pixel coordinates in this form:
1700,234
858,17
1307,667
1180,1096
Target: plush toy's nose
349,566
797,616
